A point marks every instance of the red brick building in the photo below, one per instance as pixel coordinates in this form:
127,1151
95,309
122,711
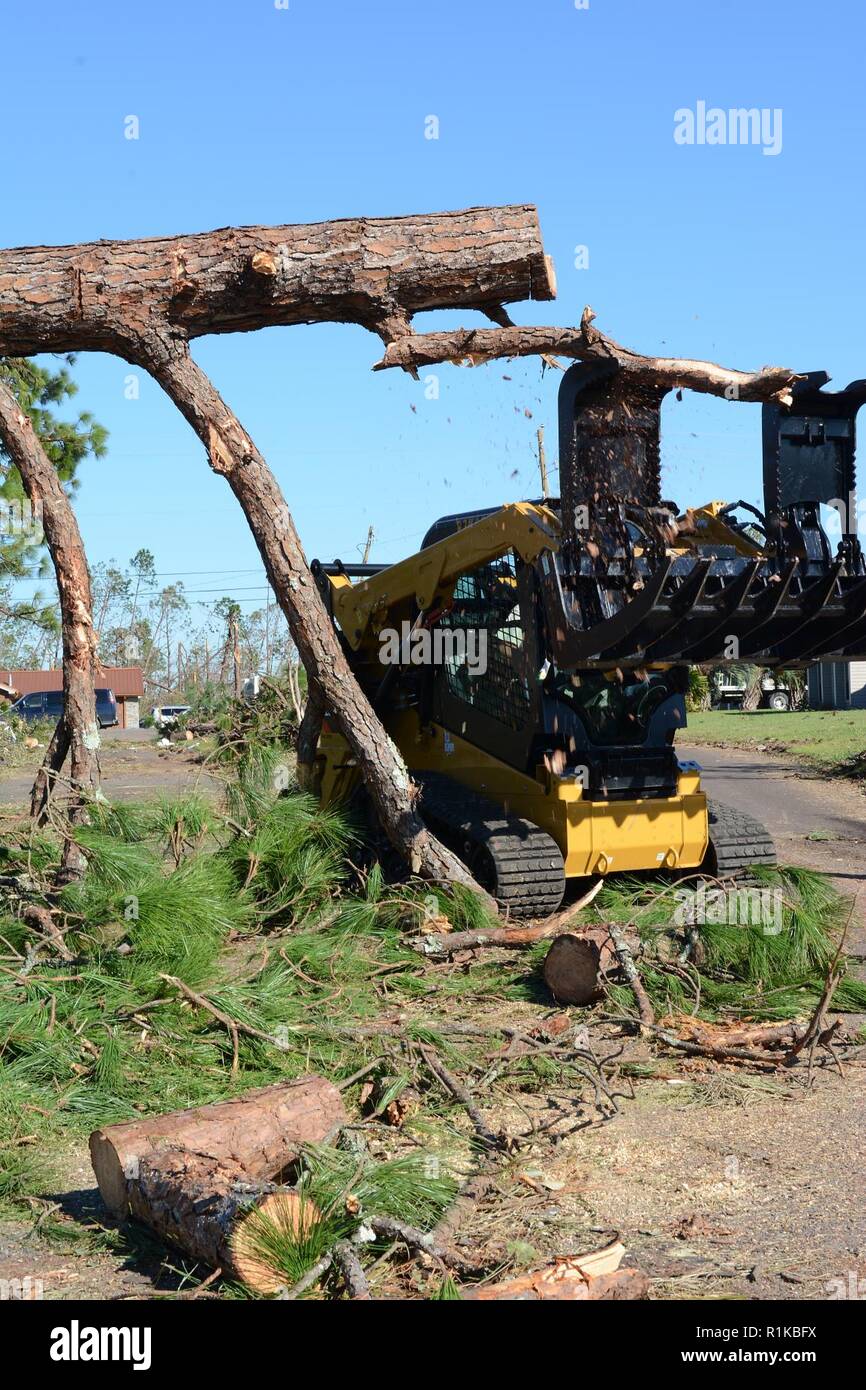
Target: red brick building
127,682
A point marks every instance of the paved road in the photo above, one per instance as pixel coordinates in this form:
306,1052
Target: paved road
795,803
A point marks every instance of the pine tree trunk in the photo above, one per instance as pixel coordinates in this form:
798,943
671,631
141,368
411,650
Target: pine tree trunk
77,731
232,454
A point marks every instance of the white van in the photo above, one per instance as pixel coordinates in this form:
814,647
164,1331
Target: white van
166,716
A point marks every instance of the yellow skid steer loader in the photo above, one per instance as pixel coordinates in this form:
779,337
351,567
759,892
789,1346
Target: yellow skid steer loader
531,661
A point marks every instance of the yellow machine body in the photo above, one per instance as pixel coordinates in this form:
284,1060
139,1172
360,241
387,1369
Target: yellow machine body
594,837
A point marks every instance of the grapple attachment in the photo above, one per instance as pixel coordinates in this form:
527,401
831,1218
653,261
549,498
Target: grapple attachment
635,582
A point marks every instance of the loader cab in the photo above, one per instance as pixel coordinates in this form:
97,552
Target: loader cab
615,729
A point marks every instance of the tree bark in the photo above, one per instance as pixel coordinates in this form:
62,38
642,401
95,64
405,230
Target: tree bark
232,454
374,271
478,345
261,1130
571,969
77,730
211,1210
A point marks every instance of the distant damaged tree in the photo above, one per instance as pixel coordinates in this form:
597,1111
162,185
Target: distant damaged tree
29,627
22,431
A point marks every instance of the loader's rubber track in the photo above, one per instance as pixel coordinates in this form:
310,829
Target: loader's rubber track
518,863
737,842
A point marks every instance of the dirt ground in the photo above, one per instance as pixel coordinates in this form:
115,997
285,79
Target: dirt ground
133,768
720,1185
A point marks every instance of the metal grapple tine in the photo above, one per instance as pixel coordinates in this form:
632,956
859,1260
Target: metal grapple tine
710,616
847,638
757,617
676,602
816,608
572,645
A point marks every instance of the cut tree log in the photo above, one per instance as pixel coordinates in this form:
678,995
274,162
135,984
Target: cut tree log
211,1210
77,731
376,271
574,964
262,1131
475,346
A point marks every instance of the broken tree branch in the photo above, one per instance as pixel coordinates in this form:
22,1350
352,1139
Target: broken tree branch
645,1009
490,1140
474,346
448,943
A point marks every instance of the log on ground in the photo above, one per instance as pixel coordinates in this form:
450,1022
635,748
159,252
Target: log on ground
210,1210
574,965
262,1131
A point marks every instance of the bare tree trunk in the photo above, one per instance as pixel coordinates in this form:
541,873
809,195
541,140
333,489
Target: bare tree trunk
55,757
232,454
77,730
752,696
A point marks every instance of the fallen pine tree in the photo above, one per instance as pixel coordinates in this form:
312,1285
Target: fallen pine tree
257,951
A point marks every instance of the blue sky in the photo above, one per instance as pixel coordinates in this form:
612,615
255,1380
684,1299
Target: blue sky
253,114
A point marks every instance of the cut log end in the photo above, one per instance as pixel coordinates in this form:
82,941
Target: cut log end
257,1234
571,969
109,1172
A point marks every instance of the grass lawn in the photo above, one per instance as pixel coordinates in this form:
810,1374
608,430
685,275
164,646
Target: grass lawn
826,737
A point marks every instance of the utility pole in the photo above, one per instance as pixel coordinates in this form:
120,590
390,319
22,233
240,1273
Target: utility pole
234,638
542,464
268,631
369,545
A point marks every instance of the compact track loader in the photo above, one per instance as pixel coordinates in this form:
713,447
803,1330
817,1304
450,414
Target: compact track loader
531,661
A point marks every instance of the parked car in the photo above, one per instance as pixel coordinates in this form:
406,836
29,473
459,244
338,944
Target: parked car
48,704
166,716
